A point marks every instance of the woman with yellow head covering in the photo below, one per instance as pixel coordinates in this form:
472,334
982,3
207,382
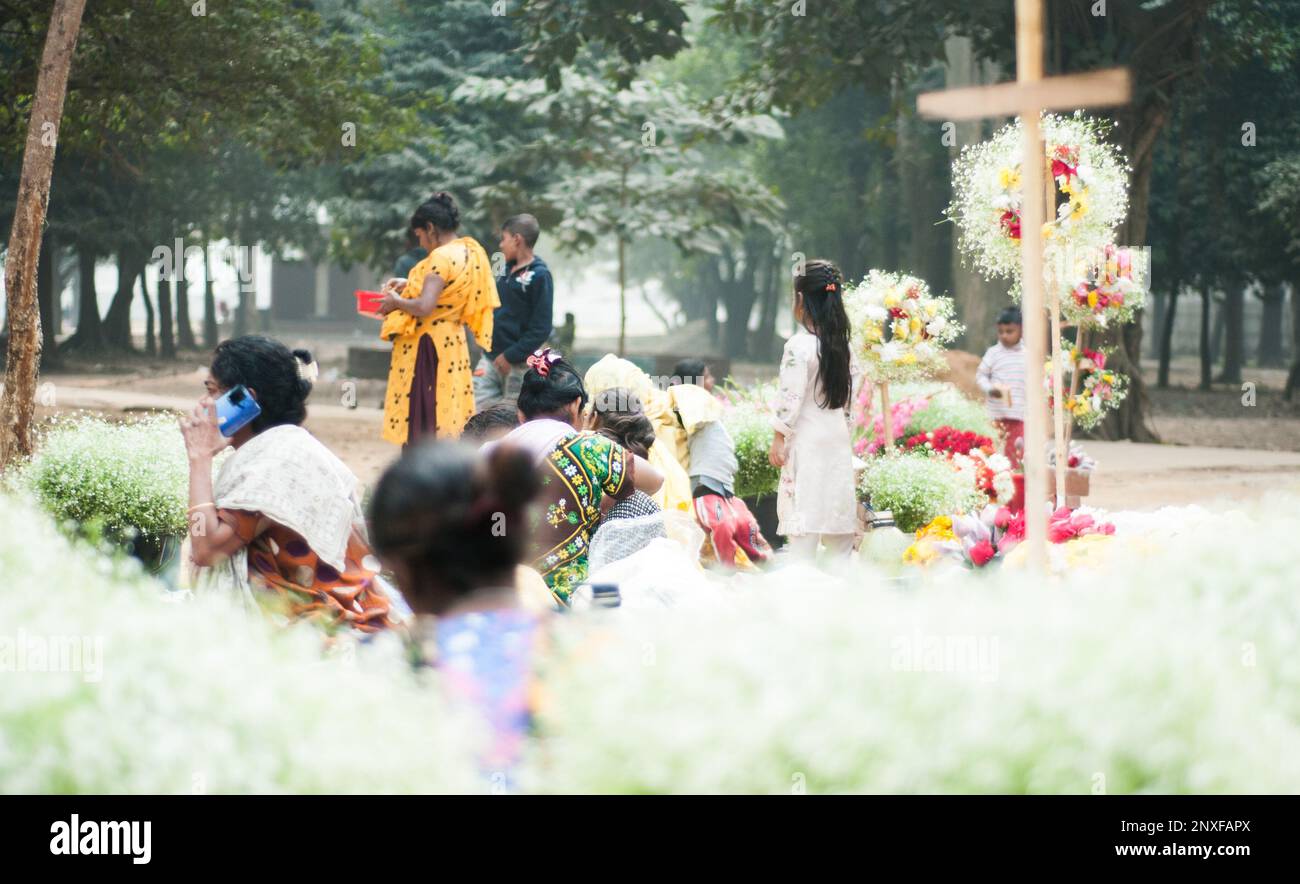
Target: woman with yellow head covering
430,381
610,373
686,418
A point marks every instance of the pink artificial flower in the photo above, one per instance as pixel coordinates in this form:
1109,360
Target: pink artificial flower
981,552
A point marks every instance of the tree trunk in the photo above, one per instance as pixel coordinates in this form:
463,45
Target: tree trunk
117,323
47,299
150,343
1234,305
740,303
89,336
1167,336
18,406
210,333
1293,376
1207,359
1272,347
1216,331
1129,421
622,296
712,276
244,262
166,331
769,307
184,331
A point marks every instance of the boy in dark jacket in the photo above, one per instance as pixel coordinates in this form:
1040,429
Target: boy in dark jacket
523,321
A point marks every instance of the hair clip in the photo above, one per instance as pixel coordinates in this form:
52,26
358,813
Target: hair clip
830,286
542,359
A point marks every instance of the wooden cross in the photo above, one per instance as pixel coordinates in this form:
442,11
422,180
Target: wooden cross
1029,96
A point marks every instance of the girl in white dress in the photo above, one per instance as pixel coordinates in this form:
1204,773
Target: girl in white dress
815,499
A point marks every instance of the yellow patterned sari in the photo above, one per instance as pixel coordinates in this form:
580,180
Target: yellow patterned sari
469,298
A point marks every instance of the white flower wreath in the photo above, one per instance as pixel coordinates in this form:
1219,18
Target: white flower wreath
899,329
1090,173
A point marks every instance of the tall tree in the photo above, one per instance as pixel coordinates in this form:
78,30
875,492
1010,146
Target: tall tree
18,405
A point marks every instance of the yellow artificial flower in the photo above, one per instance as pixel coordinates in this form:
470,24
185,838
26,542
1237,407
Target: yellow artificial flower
1092,299
907,358
1049,230
939,527
1009,178
891,299
920,553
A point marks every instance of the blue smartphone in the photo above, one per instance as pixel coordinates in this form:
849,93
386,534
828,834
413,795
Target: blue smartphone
236,410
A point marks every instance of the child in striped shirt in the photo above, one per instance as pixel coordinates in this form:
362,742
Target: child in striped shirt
1001,376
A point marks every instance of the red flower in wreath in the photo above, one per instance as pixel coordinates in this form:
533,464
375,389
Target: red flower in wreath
1011,223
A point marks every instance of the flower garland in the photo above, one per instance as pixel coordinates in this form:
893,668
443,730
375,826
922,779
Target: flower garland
1100,390
1089,172
898,328
1110,289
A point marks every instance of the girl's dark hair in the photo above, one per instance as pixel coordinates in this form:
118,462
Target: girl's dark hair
440,211
822,288
541,396
493,417
621,417
270,370
441,509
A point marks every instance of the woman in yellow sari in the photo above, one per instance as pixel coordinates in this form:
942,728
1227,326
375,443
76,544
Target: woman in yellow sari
430,387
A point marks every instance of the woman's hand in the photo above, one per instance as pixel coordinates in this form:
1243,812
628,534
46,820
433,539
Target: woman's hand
776,454
390,303
199,429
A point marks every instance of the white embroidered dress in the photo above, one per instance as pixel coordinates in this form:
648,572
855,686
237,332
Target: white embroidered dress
815,494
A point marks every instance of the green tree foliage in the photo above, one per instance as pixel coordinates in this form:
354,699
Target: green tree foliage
625,164
163,102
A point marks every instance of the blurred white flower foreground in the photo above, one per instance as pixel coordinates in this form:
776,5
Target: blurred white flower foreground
193,697
1168,667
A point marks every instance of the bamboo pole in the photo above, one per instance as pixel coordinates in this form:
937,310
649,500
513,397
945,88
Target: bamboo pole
1080,343
887,419
1052,284
1029,68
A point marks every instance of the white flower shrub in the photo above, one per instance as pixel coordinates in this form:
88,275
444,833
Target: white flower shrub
195,696
916,487
1170,670
127,477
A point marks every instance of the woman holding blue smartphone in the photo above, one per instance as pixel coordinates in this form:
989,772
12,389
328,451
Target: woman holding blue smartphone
281,523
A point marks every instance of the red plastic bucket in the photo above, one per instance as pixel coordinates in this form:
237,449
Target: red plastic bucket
368,302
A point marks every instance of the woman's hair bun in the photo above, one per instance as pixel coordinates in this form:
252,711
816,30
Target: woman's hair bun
440,210
448,202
